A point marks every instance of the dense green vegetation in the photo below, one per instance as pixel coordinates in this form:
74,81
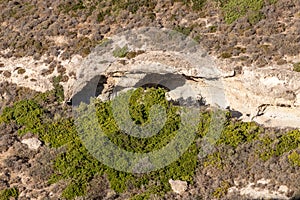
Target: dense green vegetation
8,193
294,158
139,107
26,113
77,166
280,145
236,133
234,9
233,135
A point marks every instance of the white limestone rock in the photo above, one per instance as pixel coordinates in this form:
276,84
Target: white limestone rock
178,186
32,143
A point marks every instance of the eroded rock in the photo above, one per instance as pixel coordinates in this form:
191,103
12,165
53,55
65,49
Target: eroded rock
260,190
178,186
32,143
269,96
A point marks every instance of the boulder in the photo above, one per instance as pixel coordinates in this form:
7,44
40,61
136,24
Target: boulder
178,186
32,143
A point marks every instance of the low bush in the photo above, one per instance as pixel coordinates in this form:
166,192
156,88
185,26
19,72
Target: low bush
78,167
222,190
7,194
120,52
296,67
234,9
26,114
294,158
236,133
282,144
184,30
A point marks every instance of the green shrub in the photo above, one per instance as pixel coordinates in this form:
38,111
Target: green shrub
226,55
255,16
294,158
197,38
25,113
222,190
58,90
214,160
77,166
198,4
234,9
184,30
287,142
296,67
265,151
74,189
101,15
212,29
143,196
133,5
233,134
194,4
236,133
120,52
139,107
72,6
8,193
282,144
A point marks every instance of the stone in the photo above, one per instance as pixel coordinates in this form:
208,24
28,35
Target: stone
32,143
261,190
270,95
178,186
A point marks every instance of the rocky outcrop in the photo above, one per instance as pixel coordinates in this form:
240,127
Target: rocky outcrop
269,99
268,95
258,190
178,186
32,143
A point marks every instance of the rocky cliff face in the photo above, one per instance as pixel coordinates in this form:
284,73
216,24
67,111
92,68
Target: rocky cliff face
52,38
268,95
246,66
